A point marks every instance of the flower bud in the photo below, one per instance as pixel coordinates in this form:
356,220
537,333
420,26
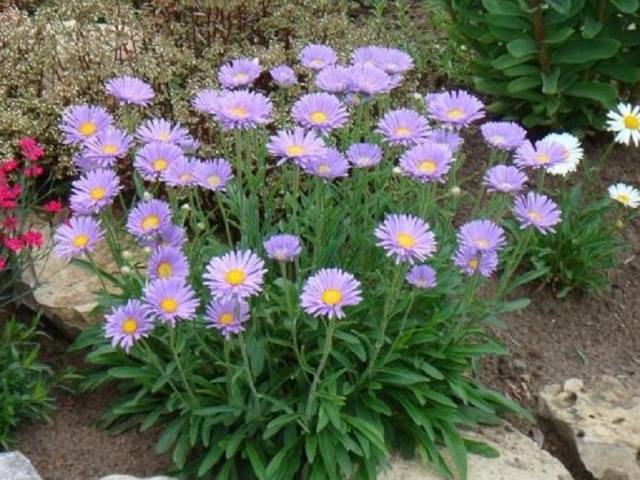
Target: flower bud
619,223
416,96
456,191
146,196
200,226
147,250
396,171
186,207
125,270
127,254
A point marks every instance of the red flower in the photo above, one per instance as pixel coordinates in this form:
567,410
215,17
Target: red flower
13,243
53,206
30,149
8,195
34,171
32,238
9,165
3,263
10,223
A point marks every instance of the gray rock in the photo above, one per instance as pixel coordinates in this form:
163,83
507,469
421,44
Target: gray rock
520,459
15,466
600,422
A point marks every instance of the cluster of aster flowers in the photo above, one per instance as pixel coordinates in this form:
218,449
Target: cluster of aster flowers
16,176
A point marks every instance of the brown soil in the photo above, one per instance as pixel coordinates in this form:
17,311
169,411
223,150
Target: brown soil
551,341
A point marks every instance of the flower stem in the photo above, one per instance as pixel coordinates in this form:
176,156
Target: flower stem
245,358
225,219
328,342
183,377
514,262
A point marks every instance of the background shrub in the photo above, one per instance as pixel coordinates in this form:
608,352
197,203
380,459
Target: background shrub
553,63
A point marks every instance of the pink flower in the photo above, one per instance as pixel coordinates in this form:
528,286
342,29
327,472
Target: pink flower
32,238
10,223
53,206
13,243
30,149
3,263
8,165
34,171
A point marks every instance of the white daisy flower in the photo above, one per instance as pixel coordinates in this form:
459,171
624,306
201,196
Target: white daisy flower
573,153
625,194
625,120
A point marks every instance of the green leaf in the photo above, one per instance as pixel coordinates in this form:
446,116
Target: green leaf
550,82
509,21
256,460
523,83
278,423
508,61
592,27
522,46
514,305
583,51
619,71
502,7
128,372
601,92
626,6
169,435
210,459
311,447
181,450
558,35
456,447
561,6
371,433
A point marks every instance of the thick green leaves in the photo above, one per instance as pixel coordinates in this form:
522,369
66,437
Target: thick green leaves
560,6
601,92
522,47
626,6
523,83
582,51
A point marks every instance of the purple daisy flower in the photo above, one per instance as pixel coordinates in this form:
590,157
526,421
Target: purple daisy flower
93,191
170,300
370,55
322,111
328,291
127,324
422,276
369,80
505,178
283,76
545,154
242,109
458,107
427,162
206,101
149,218
213,174
283,247
334,79
169,236
483,235
403,127
130,90
85,163
395,61
189,145
168,262
82,122
241,72
364,155
237,274
79,235
470,260
318,57
405,237
332,165
161,130
155,158
536,210
180,173
446,137
503,135
109,144
228,316
296,144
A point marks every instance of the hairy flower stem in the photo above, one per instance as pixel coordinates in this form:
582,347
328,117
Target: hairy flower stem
247,365
154,359
240,169
514,262
403,324
326,349
320,200
183,377
97,270
225,219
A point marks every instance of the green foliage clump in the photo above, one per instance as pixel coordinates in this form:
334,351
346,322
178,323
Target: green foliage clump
25,382
585,247
555,63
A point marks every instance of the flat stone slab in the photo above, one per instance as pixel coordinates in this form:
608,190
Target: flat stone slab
520,459
601,422
15,466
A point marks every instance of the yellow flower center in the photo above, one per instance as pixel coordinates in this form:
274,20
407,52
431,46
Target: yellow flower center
455,114
427,166
239,112
110,149
294,150
535,216
164,270
130,326
87,128
402,132
213,181
542,158
405,240
632,122
319,117
97,193
150,222
473,263
240,77
226,318
623,198
331,296
80,240
482,243
169,305
160,164
163,136
235,277
324,169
